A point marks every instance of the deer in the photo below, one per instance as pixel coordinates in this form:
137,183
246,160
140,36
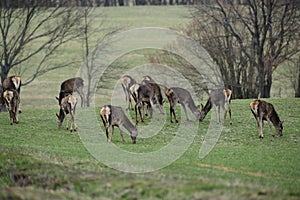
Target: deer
127,82
67,106
148,94
219,98
12,100
264,111
146,79
12,83
180,95
69,86
112,116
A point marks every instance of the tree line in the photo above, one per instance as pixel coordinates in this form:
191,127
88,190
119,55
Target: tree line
247,39
98,3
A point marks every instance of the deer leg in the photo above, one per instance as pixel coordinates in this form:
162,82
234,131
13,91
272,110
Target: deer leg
225,113
130,102
229,110
143,112
65,117
176,120
260,127
151,106
171,111
71,121
112,132
16,114
67,124
136,112
270,125
107,134
11,117
185,111
121,133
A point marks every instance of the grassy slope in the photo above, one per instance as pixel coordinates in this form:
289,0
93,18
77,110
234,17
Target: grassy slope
38,160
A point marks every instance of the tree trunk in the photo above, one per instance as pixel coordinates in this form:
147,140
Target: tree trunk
297,91
4,73
267,86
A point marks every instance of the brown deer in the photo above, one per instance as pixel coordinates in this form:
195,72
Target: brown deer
126,82
264,111
12,82
12,100
69,86
114,116
67,106
179,95
146,79
148,94
219,98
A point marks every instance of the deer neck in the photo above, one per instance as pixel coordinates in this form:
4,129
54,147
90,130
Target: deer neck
128,125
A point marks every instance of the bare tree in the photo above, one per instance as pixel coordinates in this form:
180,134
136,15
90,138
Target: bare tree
94,39
248,41
292,73
35,32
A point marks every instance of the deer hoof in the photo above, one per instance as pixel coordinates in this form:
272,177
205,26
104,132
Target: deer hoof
261,137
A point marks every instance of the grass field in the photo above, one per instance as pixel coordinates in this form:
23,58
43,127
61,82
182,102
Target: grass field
38,160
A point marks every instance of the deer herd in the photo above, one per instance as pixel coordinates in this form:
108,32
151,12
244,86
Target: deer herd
140,97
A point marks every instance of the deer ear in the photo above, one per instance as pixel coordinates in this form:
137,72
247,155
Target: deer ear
57,98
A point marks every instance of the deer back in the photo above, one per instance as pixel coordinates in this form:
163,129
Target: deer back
127,81
71,85
12,82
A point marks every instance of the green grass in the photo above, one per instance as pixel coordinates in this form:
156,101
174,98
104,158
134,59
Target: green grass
39,160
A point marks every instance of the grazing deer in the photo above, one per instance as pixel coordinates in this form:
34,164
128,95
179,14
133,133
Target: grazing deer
263,110
69,86
12,100
218,98
179,95
127,82
67,106
149,94
12,83
114,116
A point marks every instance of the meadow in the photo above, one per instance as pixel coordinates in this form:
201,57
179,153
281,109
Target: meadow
38,160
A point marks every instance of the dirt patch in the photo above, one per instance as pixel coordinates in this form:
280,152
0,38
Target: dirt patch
227,169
